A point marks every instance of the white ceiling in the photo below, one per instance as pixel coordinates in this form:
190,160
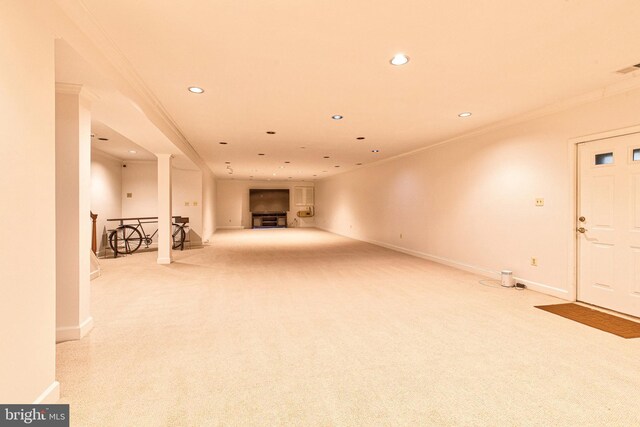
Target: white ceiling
117,145
287,66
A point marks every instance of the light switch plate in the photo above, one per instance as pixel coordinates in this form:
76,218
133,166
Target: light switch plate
539,202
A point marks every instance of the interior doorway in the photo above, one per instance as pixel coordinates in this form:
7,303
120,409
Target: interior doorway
608,223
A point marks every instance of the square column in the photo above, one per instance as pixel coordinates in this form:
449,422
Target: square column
165,241
73,204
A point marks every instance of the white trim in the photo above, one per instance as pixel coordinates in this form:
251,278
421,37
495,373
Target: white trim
50,395
94,274
535,286
230,227
72,333
546,289
76,89
68,88
96,151
572,239
165,260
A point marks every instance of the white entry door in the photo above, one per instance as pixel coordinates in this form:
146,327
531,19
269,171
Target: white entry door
609,223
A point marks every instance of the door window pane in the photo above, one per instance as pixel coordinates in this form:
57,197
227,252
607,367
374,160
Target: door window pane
636,154
604,159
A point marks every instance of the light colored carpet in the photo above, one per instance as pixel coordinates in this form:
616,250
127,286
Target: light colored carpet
306,328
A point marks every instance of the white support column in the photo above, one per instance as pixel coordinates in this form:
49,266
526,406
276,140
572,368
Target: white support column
165,242
73,203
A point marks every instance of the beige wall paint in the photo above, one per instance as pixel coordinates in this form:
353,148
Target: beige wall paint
106,193
232,202
471,202
27,185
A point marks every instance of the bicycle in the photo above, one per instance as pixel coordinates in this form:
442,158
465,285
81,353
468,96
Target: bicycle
127,238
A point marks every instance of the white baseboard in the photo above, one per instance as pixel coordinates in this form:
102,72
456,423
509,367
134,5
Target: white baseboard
94,274
50,395
230,227
545,289
535,286
71,333
165,260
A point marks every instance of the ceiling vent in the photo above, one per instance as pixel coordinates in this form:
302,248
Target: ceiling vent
628,70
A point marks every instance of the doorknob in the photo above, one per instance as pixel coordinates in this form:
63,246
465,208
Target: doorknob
581,230
582,219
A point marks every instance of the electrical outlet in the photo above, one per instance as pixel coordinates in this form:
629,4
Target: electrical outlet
195,203
534,261
129,195
186,203
539,202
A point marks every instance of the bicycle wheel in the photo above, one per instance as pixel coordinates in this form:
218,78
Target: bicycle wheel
178,236
129,239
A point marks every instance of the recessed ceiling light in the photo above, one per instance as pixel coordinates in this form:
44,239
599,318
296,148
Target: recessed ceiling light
465,114
336,117
360,137
228,163
103,139
325,157
323,171
133,151
222,143
399,59
270,132
303,147
290,177
375,151
287,162
336,166
315,175
196,89
358,164
260,154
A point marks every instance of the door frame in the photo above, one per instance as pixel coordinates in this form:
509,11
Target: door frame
573,171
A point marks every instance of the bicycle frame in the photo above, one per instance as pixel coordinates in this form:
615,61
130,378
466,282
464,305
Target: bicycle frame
132,241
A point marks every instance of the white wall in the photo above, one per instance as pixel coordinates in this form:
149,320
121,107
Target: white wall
187,199
106,193
232,202
27,188
470,202
141,180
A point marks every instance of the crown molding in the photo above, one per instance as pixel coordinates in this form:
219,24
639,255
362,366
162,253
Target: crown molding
76,89
79,15
68,88
618,88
